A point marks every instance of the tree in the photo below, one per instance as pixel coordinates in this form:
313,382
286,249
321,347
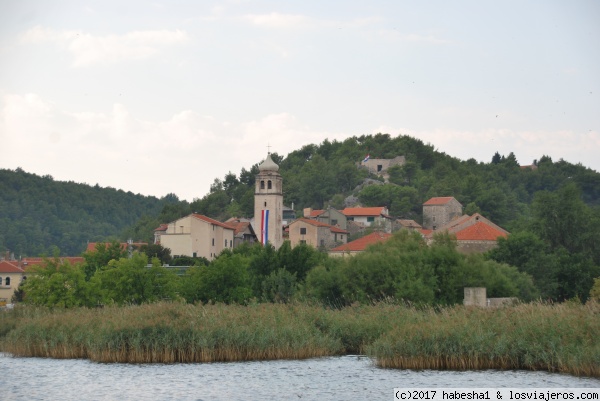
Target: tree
101,256
57,284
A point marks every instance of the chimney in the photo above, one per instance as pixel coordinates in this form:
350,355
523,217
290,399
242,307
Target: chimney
307,212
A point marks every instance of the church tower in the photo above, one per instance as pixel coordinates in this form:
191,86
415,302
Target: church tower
268,203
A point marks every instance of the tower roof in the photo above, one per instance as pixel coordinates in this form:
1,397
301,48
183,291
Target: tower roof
268,165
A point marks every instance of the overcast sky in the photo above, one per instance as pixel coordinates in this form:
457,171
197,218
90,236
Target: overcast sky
159,97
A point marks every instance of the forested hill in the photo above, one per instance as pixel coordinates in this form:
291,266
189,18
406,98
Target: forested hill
38,214
326,174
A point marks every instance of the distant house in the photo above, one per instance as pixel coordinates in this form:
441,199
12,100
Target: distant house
440,211
160,230
243,231
370,216
381,166
474,234
198,236
316,234
11,275
330,216
407,224
135,246
359,245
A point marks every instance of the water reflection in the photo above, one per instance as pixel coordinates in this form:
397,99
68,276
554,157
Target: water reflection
334,378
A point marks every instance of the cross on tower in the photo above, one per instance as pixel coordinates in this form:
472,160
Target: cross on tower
268,148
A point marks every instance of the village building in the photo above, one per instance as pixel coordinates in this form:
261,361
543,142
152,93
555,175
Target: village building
376,217
11,275
330,216
243,231
474,234
380,166
359,245
196,235
440,211
410,225
268,204
316,234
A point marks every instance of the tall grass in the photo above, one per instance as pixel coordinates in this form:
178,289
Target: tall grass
559,338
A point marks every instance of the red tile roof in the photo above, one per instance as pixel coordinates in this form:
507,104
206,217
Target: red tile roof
479,232
438,201
212,221
10,267
362,243
91,246
162,227
316,213
363,211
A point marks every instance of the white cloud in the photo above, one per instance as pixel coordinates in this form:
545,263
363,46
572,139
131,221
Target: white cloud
88,49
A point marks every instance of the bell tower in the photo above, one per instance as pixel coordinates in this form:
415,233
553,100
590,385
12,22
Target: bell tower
268,203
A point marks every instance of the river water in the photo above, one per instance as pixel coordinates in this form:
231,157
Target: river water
323,379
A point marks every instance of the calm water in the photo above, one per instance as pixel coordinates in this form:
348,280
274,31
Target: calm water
333,378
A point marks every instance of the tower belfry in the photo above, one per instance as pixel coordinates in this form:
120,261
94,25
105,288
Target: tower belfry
268,203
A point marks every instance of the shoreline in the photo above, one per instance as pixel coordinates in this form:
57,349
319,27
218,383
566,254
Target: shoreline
557,338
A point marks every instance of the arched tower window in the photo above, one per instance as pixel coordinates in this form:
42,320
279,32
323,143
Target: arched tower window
262,184
269,185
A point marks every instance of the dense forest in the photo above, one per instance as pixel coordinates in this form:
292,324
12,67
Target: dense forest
38,214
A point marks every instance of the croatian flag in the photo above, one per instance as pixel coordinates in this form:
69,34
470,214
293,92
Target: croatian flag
264,227
366,158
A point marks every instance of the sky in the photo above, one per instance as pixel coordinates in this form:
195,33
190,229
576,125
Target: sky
159,97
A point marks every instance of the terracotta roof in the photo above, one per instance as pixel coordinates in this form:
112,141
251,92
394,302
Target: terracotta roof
317,223
212,221
438,201
316,213
91,246
162,227
425,231
238,226
363,211
10,267
362,243
479,232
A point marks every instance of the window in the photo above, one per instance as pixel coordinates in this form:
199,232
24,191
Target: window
302,230
269,185
322,242
350,218
0,280
225,243
379,167
333,222
370,219
262,185
265,204
342,236
213,242
7,281
302,241
194,255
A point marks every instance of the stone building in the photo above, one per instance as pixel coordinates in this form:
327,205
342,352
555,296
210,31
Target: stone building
440,211
381,166
330,216
316,234
268,204
474,234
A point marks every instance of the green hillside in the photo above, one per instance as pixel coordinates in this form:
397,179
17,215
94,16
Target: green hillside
38,214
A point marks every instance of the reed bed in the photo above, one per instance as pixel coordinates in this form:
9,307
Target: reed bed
561,338
557,338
